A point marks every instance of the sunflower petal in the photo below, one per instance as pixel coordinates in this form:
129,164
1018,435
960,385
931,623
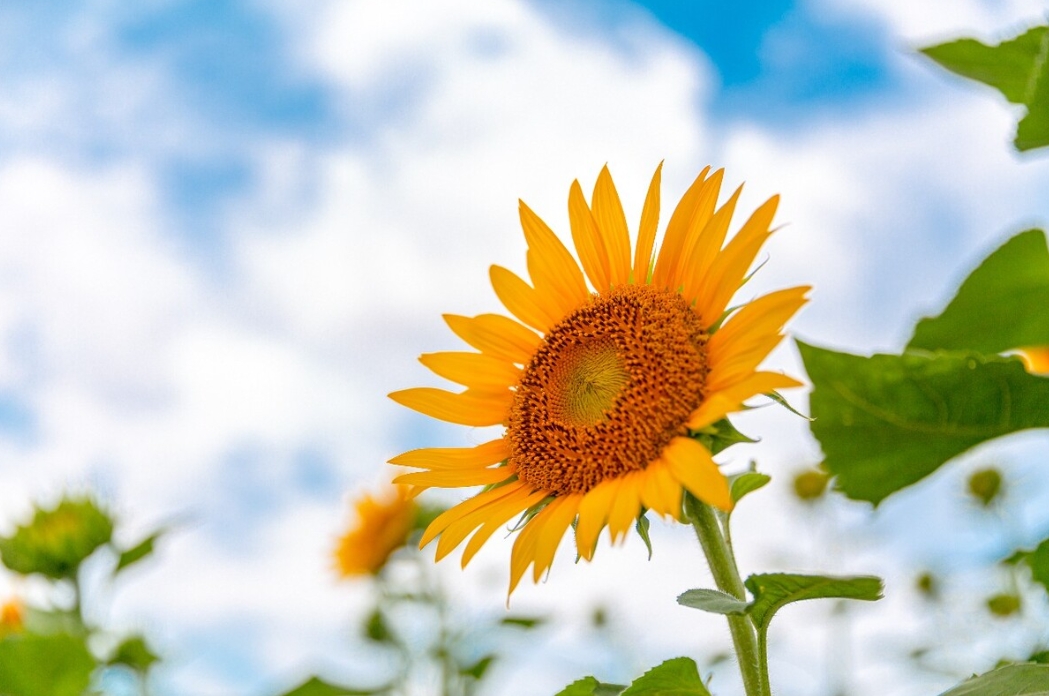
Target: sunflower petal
439,458
477,408
498,517
691,464
659,491
455,478
511,504
556,517
465,508
522,300
625,506
646,233
472,369
726,401
523,553
593,511
691,212
587,239
706,247
553,260
608,212
496,335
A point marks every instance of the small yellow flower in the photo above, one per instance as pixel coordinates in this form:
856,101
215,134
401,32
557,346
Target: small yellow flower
12,617
382,526
1036,360
602,388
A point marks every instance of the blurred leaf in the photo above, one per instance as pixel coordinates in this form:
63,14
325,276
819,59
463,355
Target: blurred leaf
477,670
1003,605
523,621
713,601
747,483
811,484
1041,657
887,421
55,542
32,665
985,485
1011,680
1037,561
773,591
1018,68
134,653
52,621
641,527
589,686
720,436
139,551
314,686
376,629
676,677
992,310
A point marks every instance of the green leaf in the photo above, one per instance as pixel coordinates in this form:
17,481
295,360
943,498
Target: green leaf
641,526
992,311
676,677
139,551
589,686
523,621
32,665
477,670
134,653
747,483
1011,680
1018,68
1037,561
720,436
713,601
772,591
314,686
376,629
887,421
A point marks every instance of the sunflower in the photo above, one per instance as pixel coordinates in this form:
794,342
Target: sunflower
601,390
382,526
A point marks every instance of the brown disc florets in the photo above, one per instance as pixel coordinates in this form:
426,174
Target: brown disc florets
611,385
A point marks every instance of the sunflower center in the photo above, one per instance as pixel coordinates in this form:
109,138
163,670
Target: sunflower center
611,385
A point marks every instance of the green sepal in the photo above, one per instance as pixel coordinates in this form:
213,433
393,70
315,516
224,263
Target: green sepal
782,401
641,527
773,591
719,436
713,601
1010,680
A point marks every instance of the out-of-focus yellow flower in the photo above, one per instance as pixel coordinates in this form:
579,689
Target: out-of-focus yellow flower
12,617
382,526
1036,360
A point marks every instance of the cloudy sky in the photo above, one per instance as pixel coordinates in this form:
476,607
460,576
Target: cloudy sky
227,229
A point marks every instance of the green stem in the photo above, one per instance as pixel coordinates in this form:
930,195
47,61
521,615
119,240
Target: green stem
726,576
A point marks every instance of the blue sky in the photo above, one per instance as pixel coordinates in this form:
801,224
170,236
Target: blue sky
232,226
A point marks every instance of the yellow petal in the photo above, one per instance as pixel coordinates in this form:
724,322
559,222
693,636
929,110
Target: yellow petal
555,520
755,321
721,403
509,505
593,511
588,241
1035,360
691,464
608,212
706,246
553,260
496,335
659,491
473,369
496,518
468,506
522,300
727,272
692,212
523,553
625,506
468,408
458,478
741,364
489,453
646,234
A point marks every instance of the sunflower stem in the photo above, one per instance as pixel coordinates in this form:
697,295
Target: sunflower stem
722,563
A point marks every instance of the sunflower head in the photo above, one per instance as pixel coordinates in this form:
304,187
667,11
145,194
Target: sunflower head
609,375
381,526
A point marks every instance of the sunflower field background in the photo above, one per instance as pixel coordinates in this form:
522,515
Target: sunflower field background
228,229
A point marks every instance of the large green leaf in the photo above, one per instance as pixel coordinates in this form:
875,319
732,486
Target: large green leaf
676,677
590,686
995,308
772,591
1011,680
32,665
315,686
1018,68
887,421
